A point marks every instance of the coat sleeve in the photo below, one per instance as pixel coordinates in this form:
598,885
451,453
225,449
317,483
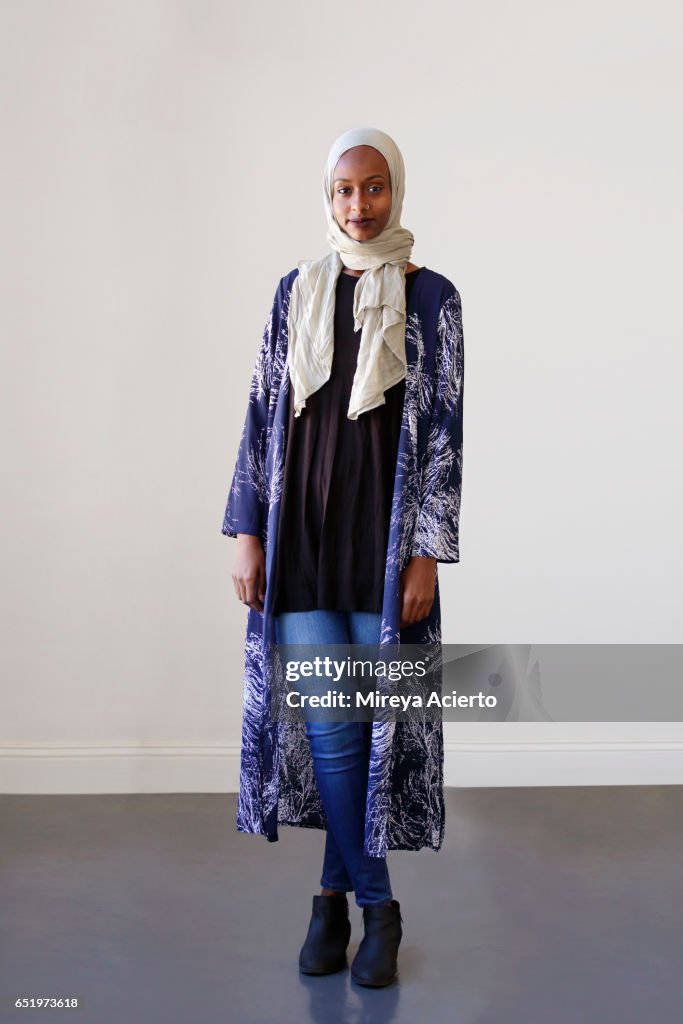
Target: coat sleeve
247,506
437,531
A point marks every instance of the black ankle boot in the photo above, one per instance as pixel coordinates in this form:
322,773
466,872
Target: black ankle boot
375,963
329,931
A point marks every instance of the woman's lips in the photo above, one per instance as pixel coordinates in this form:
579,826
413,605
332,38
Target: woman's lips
359,223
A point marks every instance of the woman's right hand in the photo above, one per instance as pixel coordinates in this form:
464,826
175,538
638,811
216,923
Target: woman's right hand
249,571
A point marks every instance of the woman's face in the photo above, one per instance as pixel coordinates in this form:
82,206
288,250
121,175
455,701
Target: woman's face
361,193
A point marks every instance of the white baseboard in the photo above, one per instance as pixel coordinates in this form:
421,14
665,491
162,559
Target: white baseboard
206,769
126,769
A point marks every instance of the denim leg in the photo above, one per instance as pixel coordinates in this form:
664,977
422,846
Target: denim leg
319,626
334,875
340,752
340,757
365,628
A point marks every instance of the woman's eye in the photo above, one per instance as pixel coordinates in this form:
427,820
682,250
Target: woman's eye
345,189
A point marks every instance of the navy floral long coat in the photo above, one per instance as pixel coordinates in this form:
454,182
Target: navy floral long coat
405,802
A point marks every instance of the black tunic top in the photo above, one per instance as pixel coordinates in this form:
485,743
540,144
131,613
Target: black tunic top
338,485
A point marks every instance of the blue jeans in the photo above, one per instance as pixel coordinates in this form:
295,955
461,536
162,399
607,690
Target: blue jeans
341,757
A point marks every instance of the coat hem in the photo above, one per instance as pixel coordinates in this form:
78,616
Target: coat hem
399,847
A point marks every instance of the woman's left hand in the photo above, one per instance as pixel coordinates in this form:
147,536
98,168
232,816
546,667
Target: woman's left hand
417,586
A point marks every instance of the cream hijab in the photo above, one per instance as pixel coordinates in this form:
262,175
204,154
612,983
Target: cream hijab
379,307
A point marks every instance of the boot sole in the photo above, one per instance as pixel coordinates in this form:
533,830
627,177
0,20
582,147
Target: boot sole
327,970
374,984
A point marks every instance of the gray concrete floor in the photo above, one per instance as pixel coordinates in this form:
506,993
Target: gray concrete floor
545,906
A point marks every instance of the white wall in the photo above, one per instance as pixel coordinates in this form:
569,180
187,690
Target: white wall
161,171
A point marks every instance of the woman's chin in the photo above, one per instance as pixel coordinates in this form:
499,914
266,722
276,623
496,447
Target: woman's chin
362,236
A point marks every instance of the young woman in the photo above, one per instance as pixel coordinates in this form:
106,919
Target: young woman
345,496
